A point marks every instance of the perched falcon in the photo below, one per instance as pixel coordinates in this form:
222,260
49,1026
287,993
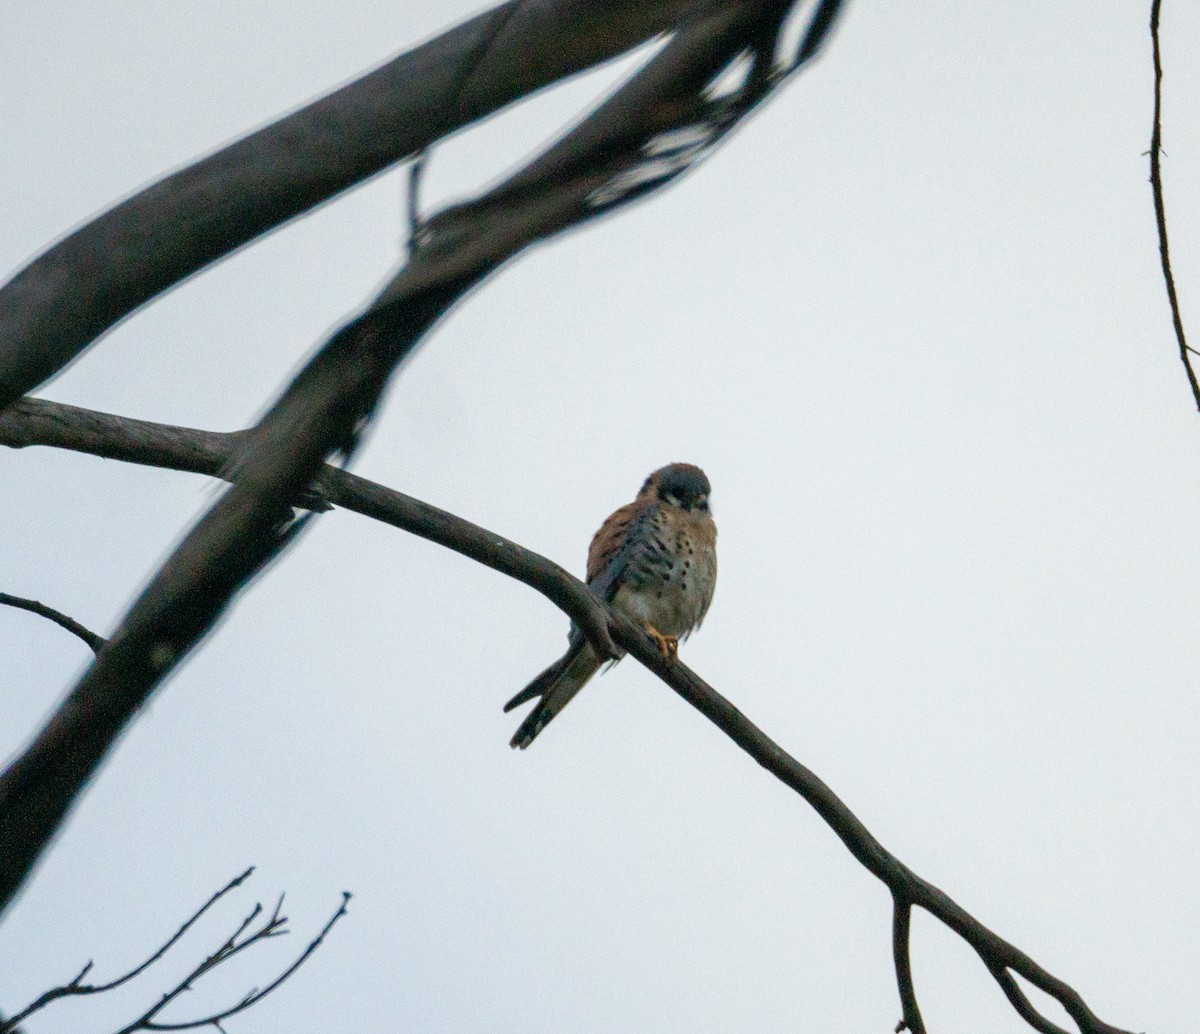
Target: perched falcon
655,560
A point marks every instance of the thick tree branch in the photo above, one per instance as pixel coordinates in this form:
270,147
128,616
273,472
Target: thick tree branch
1164,250
607,161
80,287
57,616
35,422
246,528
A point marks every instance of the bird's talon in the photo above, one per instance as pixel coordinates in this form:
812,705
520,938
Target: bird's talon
668,645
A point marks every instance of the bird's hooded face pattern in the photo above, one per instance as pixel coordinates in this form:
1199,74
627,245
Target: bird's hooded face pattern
678,484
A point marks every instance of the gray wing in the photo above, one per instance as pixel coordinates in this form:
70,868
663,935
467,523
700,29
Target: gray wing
637,556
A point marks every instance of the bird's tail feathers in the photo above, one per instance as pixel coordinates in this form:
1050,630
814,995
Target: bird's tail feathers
542,683
555,687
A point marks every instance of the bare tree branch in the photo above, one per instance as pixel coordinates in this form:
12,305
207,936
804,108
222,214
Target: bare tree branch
1185,351
255,996
1020,1001
901,920
607,161
240,940
57,616
996,953
32,422
80,287
33,418
76,987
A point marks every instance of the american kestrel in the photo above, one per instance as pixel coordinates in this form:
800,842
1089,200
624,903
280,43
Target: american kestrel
655,560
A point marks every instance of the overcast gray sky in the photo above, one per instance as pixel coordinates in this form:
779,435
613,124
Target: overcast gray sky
910,321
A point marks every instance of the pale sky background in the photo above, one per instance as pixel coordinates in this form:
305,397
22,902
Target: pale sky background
910,320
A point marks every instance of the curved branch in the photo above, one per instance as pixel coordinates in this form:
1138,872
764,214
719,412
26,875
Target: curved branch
1020,1001
57,616
1164,249
83,285
901,920
35,421
902,881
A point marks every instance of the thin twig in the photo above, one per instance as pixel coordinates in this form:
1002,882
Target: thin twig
236,882
231,947
416,170
58,617
1164,250
901,919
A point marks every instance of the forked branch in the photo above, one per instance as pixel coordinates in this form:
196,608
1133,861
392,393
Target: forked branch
245,936
136,250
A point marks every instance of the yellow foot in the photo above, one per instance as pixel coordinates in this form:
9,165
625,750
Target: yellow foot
668,645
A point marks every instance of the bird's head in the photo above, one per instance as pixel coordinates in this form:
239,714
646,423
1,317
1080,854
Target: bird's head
679,484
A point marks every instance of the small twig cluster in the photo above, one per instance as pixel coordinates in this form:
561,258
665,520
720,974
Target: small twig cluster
246,936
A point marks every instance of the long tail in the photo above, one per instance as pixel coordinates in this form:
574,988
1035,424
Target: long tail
556,686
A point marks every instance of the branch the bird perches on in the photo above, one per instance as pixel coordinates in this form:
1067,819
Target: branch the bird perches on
39,422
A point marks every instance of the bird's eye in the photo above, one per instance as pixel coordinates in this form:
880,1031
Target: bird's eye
702,503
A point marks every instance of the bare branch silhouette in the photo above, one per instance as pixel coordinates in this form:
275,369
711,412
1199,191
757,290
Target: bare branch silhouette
32,422
35,421
654,128
83,285
76,987
240,940
94,641
1164,249
901,923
